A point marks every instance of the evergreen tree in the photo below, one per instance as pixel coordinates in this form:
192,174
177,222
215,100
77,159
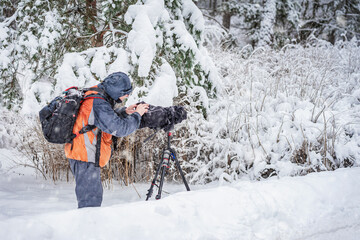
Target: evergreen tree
186,57
267,24
7,9
46,31
29,43
286,22
273,24
250,13
330,20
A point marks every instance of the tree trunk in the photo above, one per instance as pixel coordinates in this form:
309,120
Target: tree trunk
213,6
90,19
226,20
316,6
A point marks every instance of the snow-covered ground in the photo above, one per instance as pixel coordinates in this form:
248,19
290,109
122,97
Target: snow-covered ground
322,205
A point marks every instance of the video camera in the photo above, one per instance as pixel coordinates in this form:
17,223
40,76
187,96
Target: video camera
165,118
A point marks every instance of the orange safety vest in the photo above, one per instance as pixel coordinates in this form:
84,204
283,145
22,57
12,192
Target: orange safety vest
84,145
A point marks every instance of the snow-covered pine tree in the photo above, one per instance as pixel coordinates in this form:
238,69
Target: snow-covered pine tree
7,9
351,13
149,38
174,38
27,46
35,38
250,13
113,17
330,20
344,20
286,22
266,31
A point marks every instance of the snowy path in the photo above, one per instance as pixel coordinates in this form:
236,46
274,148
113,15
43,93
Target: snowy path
318,206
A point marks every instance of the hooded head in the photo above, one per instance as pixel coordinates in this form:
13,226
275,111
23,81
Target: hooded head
116,85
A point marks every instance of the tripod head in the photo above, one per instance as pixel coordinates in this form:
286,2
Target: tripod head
155,132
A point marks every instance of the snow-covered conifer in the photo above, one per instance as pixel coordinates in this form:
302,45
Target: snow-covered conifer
267,24
32,44
166,40
147,39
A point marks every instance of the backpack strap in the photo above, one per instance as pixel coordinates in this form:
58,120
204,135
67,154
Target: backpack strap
98,148
85,129
98,141
101,94
89,128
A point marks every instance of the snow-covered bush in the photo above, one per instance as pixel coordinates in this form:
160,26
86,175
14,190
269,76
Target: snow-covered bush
8,136
24,134
284,113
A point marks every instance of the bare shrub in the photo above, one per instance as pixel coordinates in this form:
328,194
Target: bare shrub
48,159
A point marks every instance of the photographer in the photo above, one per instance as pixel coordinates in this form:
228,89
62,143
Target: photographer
92,149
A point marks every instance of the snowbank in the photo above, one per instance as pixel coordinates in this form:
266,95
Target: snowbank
318,206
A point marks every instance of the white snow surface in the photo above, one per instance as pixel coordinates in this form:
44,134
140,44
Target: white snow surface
322,205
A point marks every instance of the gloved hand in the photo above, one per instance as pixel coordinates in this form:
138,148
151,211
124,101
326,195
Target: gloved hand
142,109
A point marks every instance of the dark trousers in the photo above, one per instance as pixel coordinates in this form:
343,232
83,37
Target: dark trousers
89,191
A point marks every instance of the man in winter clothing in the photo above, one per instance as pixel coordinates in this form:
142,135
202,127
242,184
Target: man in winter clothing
92,149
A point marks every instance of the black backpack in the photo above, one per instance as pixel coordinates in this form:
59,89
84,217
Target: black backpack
58,117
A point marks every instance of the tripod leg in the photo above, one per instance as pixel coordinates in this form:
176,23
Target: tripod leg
150,191
180,170
164,167
163,170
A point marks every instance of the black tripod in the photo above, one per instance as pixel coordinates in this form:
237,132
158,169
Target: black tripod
167,155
